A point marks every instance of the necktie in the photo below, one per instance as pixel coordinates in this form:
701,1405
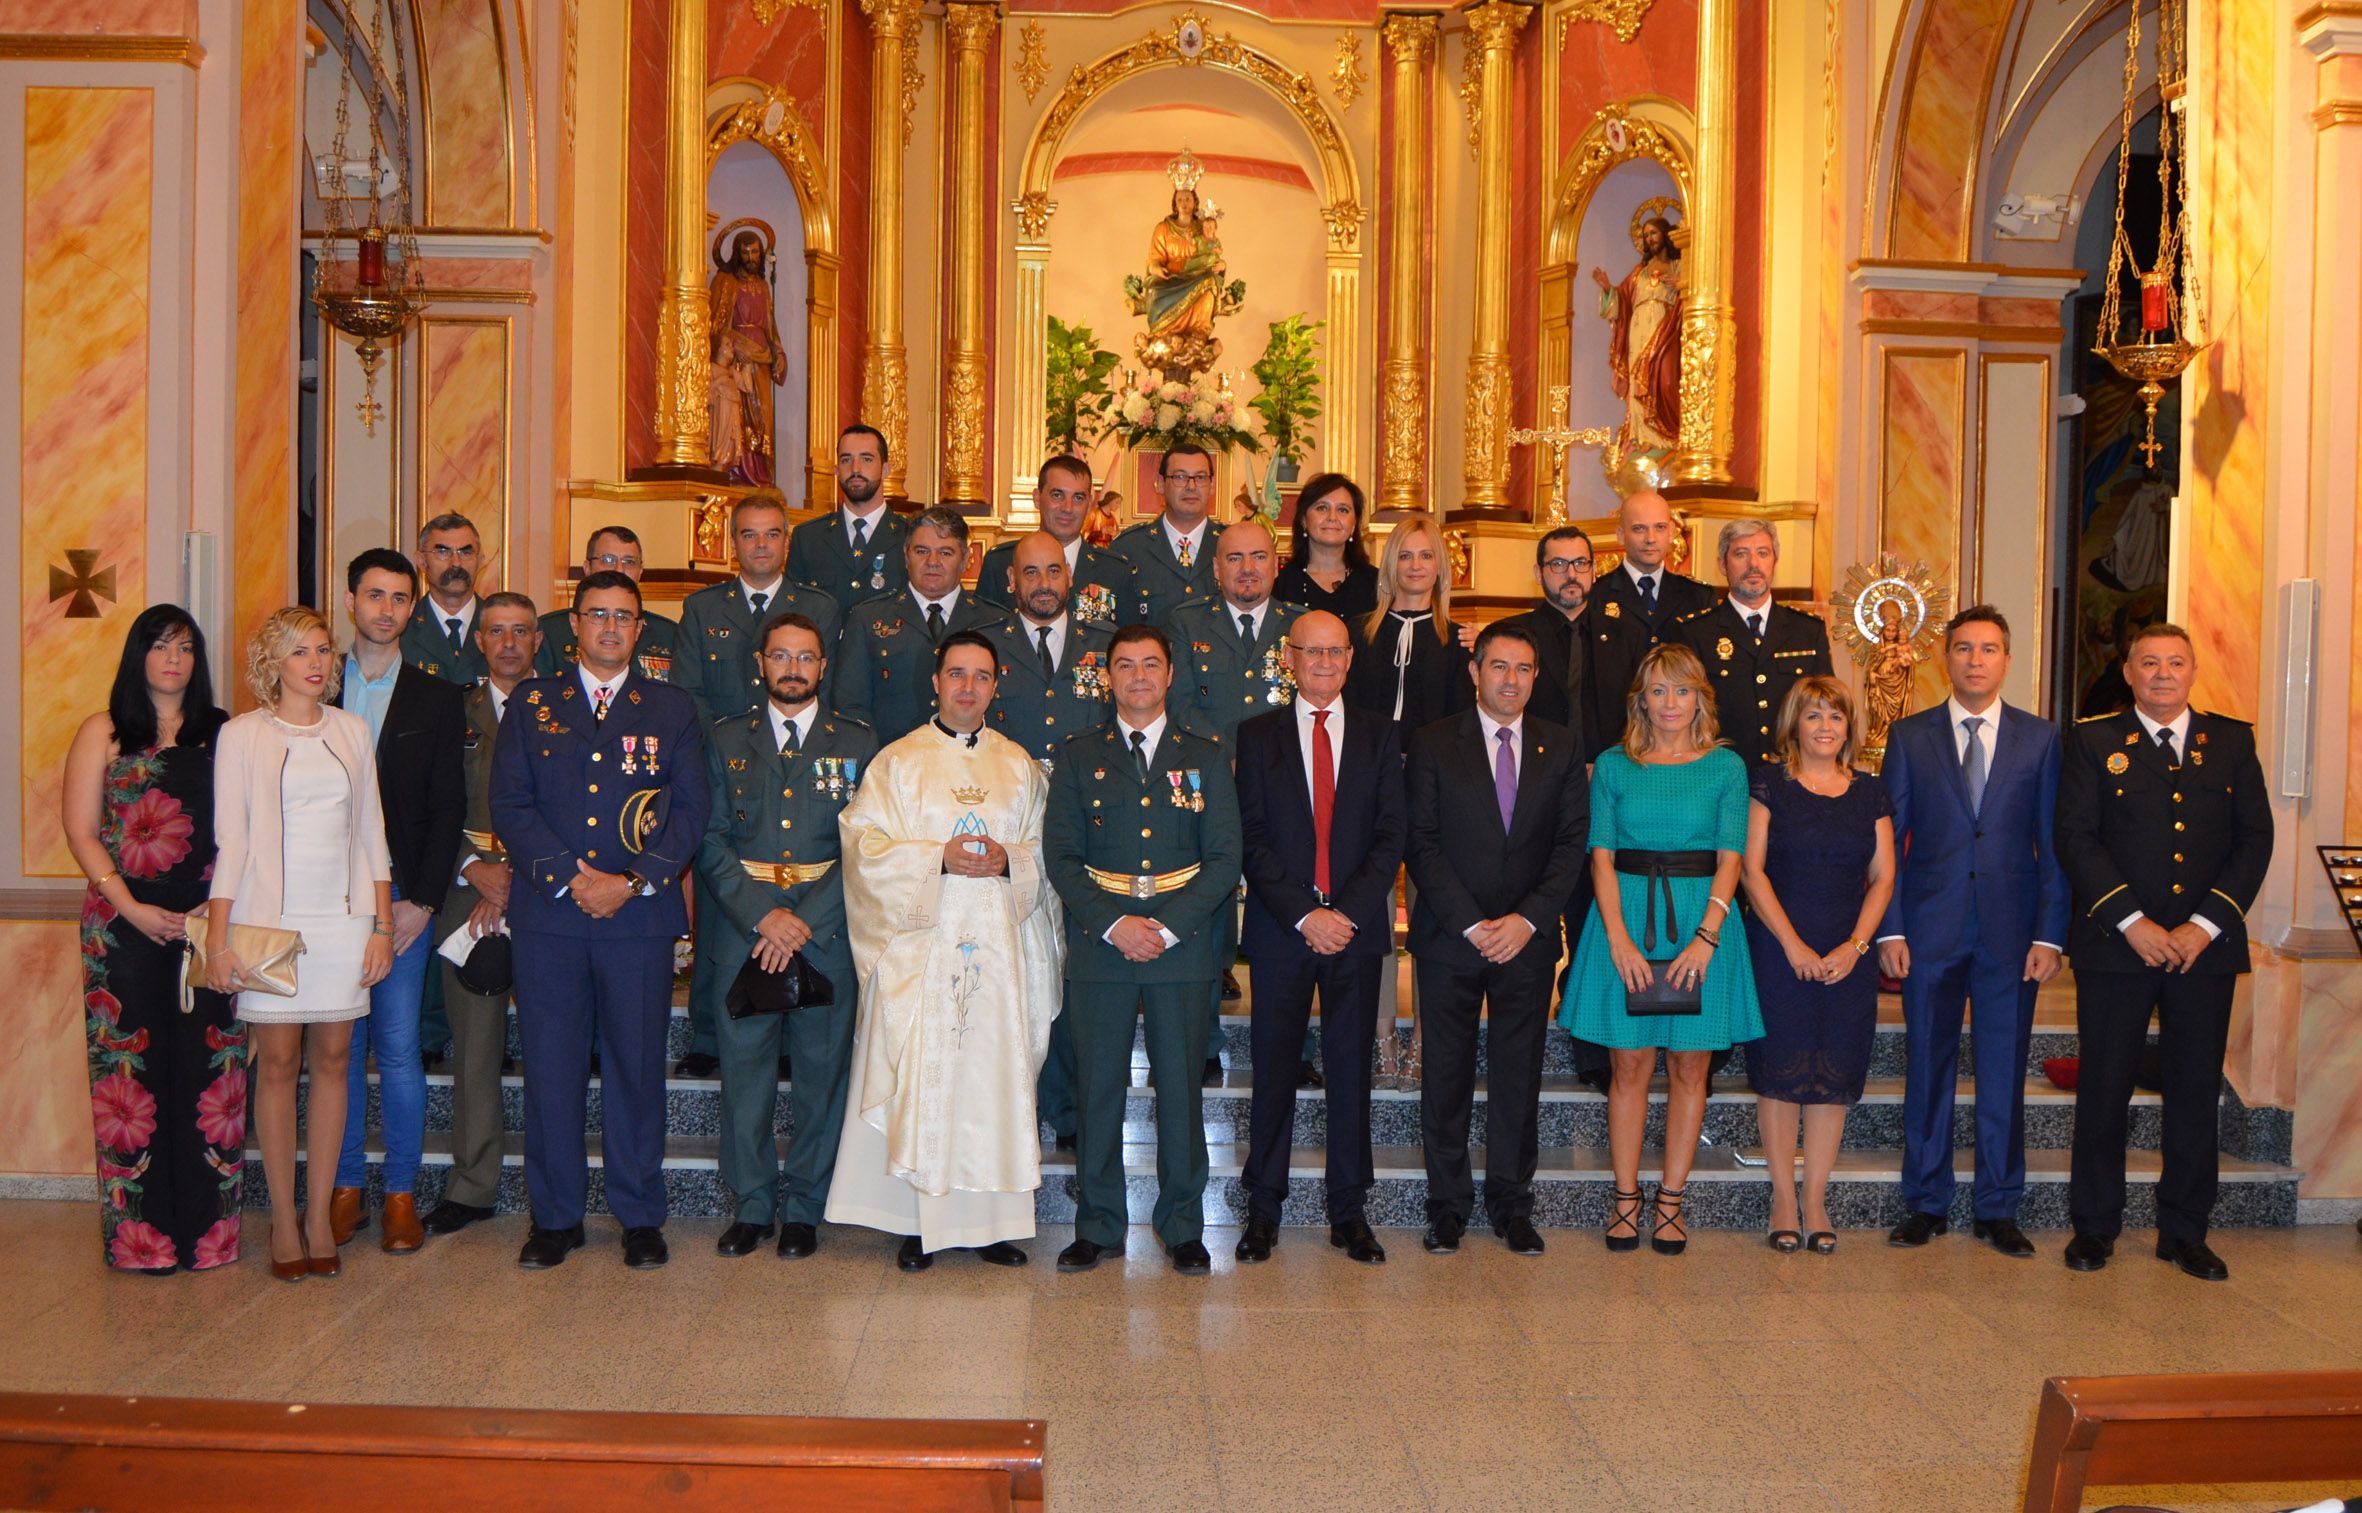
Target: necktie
1972,763
787,740
600,697
1574,672
1140,755
1755,628
2165,744
453,624
1049,665
1181,550
1246,630
1648,596
860,535
1505,778
1324,799
758,601
934,622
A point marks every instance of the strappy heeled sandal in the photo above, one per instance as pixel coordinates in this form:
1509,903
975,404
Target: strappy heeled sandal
1414,1067
1669,1220
1786,1241
1821,1242
1389,1073
1617,1215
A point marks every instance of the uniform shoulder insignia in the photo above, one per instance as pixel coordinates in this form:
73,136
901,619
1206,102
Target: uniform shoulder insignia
1614,610
2093,719
1696,614
2227,719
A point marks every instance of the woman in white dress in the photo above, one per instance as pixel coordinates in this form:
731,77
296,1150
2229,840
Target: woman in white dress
302,847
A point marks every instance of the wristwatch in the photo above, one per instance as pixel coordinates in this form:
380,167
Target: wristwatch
640,886
1861,947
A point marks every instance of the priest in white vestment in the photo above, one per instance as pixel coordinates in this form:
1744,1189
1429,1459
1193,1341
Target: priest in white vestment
958,945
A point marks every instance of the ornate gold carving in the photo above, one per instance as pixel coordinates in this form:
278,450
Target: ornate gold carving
570,39
1403,444
1492,27
683,336
912,81
768,11
1624,15
885,395
1832,108
1560,437
776,121
1463,562
892,19
1034,209
1411,37
1472,91
709,539
1033,59
963,425
967,24
1487,452
1346,78
1616,136
1344,222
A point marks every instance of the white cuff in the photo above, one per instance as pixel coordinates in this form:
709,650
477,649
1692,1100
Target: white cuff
2128,921
1883,939
2213,930
2051,946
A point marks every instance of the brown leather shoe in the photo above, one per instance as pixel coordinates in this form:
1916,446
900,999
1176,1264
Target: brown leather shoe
346,1216
400,1218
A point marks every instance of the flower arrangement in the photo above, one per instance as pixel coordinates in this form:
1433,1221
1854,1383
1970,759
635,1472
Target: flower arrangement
1163,413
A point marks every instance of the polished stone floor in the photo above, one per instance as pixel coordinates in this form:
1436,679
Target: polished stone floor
1729,1378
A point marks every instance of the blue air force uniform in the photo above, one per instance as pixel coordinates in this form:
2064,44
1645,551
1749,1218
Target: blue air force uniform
623,793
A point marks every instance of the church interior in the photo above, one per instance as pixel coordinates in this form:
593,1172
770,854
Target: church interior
2046,305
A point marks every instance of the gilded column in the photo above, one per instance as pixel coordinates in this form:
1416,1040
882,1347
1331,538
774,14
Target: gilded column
1709,327
683,336
1403,444
967,374
1492,32
885,366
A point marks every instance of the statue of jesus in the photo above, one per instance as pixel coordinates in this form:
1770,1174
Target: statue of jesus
1644,347
748,363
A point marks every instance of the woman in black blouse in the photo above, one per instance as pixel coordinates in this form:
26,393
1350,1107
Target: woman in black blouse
1327,568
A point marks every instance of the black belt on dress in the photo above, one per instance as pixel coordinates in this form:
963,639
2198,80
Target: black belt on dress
1660,868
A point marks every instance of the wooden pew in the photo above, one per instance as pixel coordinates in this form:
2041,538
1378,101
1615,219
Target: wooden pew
2208,1430
180,1455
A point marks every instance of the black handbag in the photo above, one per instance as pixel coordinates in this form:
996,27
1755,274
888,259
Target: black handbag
799,986
1660,999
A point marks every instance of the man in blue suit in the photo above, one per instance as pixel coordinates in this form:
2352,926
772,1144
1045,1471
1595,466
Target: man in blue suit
1978,916
599,793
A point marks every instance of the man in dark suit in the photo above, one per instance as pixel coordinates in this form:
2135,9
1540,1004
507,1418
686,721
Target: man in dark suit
1753,650
1976,923
1321,820
1500,814
1583,679
886,658
1642,587
415,721
1104,590
853,552
441,636
598,787
1172,556
2166,833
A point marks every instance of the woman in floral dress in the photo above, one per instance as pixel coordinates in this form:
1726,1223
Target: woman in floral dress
167,1088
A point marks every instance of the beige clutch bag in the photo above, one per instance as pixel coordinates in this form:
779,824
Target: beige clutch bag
266,957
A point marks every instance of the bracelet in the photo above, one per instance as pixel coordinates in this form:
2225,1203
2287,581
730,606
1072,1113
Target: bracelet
1714,939
382,928
1721,903
112,874
1861,947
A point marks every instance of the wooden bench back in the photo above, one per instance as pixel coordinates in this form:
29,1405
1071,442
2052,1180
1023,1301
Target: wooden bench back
2221,1429
178,1455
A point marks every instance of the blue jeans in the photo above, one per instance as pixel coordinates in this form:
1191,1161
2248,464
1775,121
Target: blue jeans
390,1032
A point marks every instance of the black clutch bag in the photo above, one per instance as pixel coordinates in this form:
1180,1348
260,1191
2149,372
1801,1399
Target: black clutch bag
755,991
1660,998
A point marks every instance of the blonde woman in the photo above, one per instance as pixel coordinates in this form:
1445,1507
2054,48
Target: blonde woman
302,847
1820,865
1668,827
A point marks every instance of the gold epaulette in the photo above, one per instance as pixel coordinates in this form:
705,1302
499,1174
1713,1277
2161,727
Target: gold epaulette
1698,614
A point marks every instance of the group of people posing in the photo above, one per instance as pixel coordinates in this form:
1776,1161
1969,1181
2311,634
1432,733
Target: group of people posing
984,839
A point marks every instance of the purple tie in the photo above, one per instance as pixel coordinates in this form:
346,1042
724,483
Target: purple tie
1505,779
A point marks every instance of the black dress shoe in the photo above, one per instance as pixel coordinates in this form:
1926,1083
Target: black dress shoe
644,1248
1213,1072
1062,1142
594,1063
741,1238
698,1064
1443,1234
2005,1236
1230,989
449,1218
797,1241
1255,1244
1190,1258
2194,1258
1308,1075
2089,1252
1917,1229
999,1253
1523,1239
545,1248
913,1256
786,1069
1354,1238
1082,1255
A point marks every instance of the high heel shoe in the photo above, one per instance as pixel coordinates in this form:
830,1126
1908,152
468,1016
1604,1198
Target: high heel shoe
1413,1065
1389,1073
1617,1215
1668,1219
328,1265
295,1270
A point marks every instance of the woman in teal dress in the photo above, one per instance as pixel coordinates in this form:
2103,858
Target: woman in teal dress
1668,828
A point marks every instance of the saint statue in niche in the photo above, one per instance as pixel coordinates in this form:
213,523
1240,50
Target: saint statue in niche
748,362
1184,288
1644,345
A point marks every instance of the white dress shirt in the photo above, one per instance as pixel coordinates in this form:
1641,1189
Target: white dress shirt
465,615
1231,612
1074,554
1174,539
1033,636
947,603
1305,709
748,588
868,523
1638,573
802,722
1155,731
1760,612
2181,753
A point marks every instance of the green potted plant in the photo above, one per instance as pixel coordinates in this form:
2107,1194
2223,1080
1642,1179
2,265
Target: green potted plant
1078,394
1289,401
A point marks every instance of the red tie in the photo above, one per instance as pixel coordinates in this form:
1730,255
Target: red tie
1324,799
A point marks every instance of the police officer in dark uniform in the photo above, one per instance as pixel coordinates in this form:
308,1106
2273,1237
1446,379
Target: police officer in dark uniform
855,550
599,792
1642,588
768,867
1172,556
1753,650
886,658
612,549
1104,590
2165,832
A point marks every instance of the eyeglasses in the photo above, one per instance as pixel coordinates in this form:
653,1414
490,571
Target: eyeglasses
1197,478
1565,564
622,619
613,563
792,658
468,550
1321,651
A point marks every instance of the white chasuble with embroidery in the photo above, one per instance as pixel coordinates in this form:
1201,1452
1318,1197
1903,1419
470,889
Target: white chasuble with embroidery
959,982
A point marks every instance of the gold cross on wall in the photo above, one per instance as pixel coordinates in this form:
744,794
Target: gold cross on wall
1560,439
77,579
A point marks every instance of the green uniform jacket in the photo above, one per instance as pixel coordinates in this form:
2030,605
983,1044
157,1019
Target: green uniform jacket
1164,584
1219,682
426,645
885,665
659,645
476,766
1106,589
820,555
1101,816
716,650
1040,711
770,808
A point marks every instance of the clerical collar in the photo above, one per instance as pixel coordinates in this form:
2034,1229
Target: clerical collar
970,737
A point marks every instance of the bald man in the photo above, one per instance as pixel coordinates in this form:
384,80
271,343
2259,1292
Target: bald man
1642,587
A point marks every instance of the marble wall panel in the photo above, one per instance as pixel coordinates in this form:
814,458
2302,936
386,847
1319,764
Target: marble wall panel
44,1068
466,92
789,50
2329,1081
1595,67
1922,445
120,18
262,572
89,177
1942,131
643,225
463,429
